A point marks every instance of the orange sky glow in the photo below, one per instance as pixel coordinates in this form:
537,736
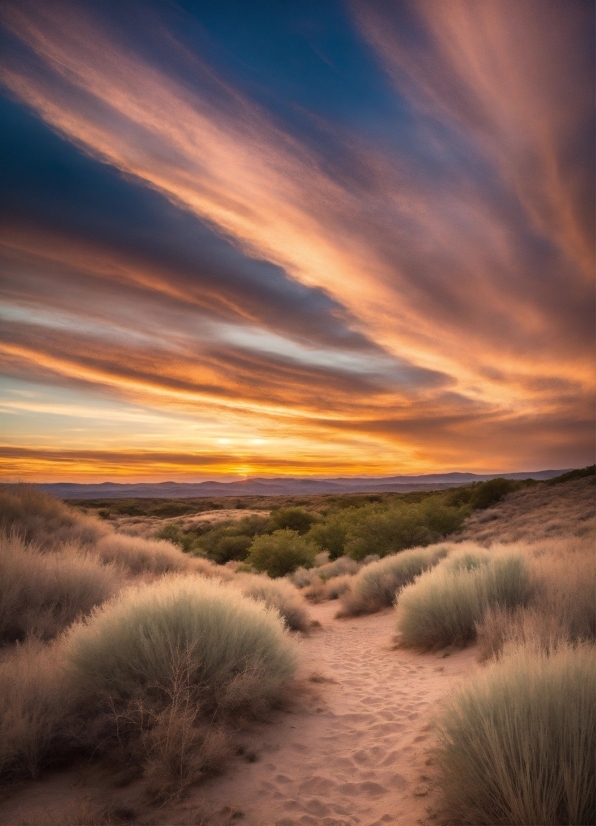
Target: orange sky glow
404,287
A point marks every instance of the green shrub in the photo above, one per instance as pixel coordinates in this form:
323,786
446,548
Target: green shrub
376,529
466,559
281,552
444,606
173,532
236,652
331,534
517,743
292,519
376,585
487,494
231,540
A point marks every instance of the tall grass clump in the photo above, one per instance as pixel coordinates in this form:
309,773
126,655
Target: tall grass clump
444,606
562,607
235,652
33,704
377,584
517,743
41,594
43,520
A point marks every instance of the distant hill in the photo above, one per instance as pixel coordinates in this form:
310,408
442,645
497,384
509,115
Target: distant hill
289,486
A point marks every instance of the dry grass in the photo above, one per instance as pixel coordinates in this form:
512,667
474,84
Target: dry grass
537,513
41,594
33,703
44,521
517,743
563,603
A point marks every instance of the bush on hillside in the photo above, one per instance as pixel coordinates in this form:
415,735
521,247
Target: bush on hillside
377,585
489,493
443,606
281,552
331,534
380,530
517,743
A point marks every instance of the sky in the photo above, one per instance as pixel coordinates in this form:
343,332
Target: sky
253,238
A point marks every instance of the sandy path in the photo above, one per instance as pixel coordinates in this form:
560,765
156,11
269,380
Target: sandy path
357,753
353,751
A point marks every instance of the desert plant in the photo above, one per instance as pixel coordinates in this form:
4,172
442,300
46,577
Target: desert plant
281,553
278,594
517,743
41,594
33,704
444,606
562,607
133,647
377,584
40,519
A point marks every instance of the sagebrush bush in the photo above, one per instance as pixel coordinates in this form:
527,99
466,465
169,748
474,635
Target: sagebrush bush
444,606
41,594
377,584
238,651
281,552
517,743
278,594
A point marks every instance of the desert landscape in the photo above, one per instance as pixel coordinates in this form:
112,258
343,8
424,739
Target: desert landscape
345,691
297,381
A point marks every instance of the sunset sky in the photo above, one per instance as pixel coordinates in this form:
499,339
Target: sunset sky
254,237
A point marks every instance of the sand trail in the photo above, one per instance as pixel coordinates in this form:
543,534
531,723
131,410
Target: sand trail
354,753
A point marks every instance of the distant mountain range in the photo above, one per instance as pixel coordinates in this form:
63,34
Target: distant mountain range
281,486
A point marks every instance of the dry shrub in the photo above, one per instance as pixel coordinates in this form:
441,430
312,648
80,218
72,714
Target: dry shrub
328,581
142,556
41,594
444,606
33,703
278,594
376,585
517,743
134,646
43,520
562,606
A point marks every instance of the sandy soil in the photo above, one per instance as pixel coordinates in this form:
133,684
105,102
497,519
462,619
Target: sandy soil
354,749
355,754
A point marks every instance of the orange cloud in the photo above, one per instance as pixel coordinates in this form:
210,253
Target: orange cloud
444,275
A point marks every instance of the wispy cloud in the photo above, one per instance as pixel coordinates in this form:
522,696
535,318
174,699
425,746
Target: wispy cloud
435,301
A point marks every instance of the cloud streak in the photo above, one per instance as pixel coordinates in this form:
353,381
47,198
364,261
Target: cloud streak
417,300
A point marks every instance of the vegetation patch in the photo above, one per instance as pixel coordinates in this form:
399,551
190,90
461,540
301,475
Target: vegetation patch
444,606
517,743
